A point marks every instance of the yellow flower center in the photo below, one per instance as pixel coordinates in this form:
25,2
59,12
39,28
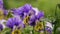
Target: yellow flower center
1,14
16,32
26,20
39,26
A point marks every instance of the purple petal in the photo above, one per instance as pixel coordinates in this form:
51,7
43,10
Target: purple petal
40,14
15,21
5,12
1,3
1,27
32,20
27,7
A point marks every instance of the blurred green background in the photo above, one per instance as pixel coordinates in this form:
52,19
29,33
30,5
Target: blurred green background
48,6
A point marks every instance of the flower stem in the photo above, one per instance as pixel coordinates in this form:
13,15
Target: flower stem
44,27
33,30
55,21
55,26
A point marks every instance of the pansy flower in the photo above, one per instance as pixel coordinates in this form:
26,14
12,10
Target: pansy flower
15,21
15,24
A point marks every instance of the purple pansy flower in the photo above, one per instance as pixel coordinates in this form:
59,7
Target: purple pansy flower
40,15
1,27
22,11
15,21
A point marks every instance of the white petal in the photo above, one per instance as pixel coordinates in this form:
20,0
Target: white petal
49,25
36,9
2,22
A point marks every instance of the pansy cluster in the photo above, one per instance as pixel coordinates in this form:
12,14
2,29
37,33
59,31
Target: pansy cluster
23,16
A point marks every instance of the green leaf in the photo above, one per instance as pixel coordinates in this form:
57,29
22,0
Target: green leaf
5,31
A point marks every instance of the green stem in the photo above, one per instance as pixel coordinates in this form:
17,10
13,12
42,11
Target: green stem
55,26
33,30
44,27
55,21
